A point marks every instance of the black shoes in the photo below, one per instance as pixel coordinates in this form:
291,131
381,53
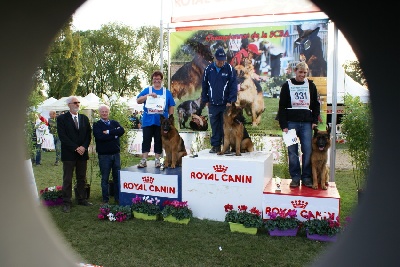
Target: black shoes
307,183
85,203
294,184
66,208
215,149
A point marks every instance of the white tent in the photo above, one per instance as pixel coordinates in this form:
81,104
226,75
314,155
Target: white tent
132,104
61,104
346,85
43,110
93,101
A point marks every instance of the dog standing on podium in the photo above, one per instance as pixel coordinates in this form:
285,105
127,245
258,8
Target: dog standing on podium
172,143
321,142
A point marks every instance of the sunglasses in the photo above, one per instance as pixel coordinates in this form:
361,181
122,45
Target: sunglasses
75,103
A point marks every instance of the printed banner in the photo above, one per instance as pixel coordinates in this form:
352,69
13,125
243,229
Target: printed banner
263,57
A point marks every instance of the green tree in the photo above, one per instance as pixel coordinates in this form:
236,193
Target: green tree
149,52
353,69
110,61
357,127
62,68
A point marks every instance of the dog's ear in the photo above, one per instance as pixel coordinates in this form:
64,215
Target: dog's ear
315,131
328,129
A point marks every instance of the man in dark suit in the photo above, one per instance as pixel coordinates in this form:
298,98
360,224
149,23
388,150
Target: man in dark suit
75,135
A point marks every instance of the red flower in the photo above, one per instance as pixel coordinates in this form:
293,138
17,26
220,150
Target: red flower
228,207
242,208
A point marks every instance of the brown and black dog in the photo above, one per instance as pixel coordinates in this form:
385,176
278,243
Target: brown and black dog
187,79
172,143
251,100
235,134
321,142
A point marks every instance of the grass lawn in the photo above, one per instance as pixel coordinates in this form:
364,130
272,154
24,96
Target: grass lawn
157,243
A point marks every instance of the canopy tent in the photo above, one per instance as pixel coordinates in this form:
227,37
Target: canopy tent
132,104
61,104
93,101
42,107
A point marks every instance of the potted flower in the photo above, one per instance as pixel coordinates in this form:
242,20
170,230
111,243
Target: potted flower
114,213
145,207
176,211
324,229
51,196
284,223
241,220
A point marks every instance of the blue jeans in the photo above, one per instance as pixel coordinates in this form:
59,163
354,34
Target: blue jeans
107,164
216,115
57,146
304,133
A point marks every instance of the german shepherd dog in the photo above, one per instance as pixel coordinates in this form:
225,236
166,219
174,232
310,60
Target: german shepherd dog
321,142
249,98
172,143
186,109
187,79
236,136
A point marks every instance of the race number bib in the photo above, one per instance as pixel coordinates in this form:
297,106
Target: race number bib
300,95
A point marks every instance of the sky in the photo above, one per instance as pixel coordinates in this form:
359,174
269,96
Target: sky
95,13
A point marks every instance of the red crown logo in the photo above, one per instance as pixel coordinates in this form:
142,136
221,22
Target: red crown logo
220,168
299,204
147,179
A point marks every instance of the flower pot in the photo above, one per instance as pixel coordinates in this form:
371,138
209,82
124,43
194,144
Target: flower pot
172,219
287,232
52,202
323,238
143,216
238,227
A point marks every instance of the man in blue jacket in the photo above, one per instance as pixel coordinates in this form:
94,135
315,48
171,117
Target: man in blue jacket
219,90
107,133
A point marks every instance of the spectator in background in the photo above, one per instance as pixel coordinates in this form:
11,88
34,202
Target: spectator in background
75,133
135,120
107,135
53,130
40,131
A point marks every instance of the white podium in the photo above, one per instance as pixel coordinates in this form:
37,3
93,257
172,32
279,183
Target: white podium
210,181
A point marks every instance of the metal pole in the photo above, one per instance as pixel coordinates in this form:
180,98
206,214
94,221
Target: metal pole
334,105
161,39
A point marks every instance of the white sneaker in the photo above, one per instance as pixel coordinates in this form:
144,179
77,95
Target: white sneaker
157,163
142,163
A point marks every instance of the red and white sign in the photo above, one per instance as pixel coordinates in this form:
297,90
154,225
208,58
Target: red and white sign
149,184
320,203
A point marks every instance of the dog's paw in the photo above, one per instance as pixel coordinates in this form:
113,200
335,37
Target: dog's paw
238,154
220,153
315,187
324,187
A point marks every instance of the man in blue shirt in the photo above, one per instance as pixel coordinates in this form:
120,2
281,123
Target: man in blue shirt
219,90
